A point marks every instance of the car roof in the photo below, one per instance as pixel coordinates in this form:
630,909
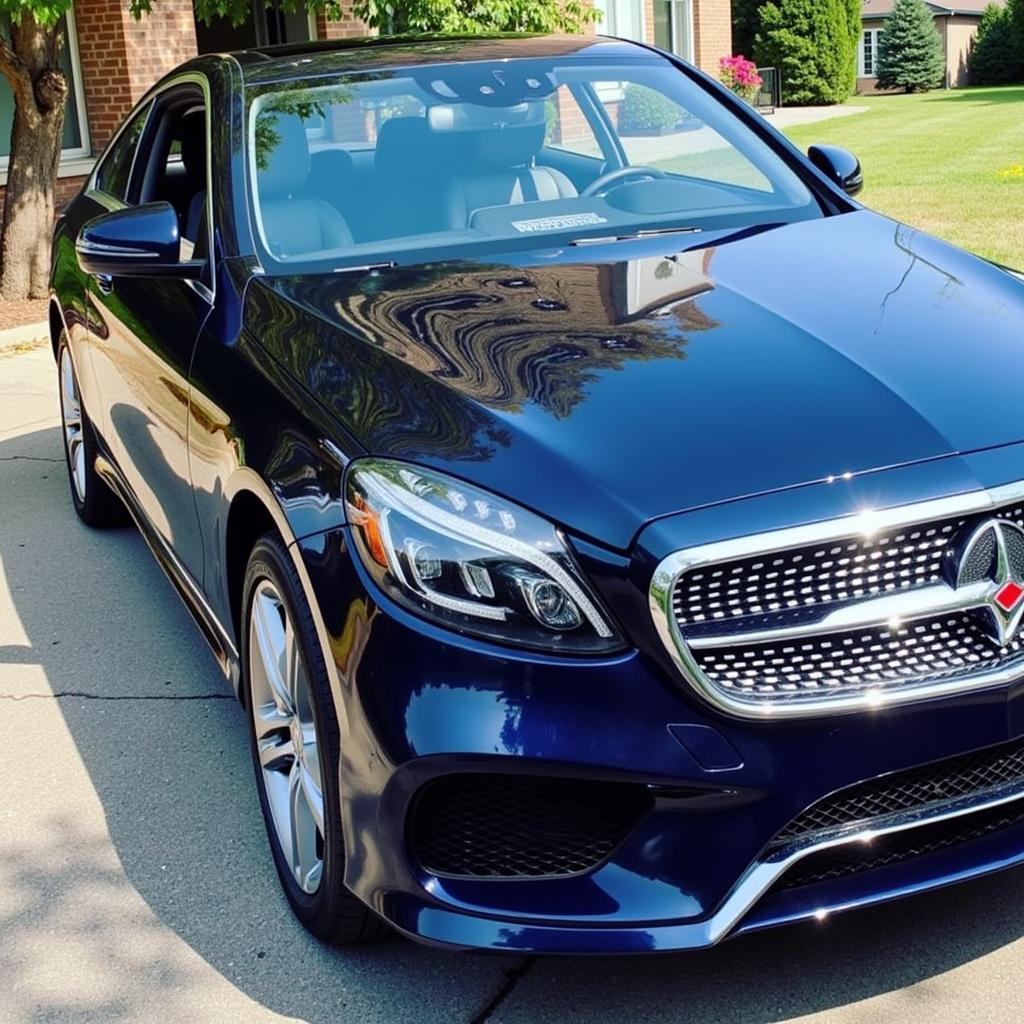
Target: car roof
327,57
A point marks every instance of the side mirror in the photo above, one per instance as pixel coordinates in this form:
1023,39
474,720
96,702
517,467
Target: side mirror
838,165
138,241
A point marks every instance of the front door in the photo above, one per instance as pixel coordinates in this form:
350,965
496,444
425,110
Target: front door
143,331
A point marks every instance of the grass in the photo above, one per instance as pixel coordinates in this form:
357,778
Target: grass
950,163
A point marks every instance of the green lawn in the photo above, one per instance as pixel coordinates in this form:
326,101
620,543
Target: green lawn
951,163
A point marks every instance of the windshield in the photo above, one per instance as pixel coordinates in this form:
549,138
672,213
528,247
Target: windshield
477,158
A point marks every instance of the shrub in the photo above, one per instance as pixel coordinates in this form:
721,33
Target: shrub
813,43
646,110
910,50
740,75
995,59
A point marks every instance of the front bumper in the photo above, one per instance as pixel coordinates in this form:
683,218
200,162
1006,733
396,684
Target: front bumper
417,704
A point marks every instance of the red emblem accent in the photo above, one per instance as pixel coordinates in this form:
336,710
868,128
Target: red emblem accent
1008,595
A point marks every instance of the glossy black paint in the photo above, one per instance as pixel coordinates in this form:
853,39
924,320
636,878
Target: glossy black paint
838,165
783,375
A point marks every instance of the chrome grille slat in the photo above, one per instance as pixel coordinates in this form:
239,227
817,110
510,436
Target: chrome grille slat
861,612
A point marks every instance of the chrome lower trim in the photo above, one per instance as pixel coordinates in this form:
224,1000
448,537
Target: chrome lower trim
763,874
865,523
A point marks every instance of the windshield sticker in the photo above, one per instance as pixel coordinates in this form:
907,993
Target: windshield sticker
559,222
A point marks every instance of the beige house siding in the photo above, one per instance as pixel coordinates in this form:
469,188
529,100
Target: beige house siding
958,40
957,33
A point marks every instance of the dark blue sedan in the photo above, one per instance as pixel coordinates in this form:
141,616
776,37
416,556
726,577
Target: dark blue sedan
614,532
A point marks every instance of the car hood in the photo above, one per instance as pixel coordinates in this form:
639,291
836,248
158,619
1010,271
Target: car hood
607,392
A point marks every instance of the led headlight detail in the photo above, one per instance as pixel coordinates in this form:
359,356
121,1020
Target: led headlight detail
470,560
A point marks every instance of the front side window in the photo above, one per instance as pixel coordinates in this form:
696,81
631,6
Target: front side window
113,175
473,158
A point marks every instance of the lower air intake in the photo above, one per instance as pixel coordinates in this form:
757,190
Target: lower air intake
896,847
515,826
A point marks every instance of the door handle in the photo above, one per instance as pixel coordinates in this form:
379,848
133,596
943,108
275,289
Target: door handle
105,283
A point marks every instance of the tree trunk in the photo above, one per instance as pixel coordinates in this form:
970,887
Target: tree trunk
31,65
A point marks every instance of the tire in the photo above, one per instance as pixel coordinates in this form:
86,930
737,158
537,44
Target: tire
299,793
94,502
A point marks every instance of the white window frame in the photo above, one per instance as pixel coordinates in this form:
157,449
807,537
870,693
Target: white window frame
638,6
862,71
78,159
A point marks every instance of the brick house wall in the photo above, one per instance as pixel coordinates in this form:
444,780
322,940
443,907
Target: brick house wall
712,33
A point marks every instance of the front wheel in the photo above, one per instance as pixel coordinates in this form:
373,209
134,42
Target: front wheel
296,748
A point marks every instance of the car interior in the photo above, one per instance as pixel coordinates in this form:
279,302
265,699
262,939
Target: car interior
176,165
345,169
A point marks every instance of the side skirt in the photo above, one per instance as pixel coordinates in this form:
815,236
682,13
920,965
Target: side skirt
210,626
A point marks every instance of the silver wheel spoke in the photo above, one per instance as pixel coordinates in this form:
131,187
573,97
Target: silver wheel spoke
286,737
277,753
270,639
71,411
305,861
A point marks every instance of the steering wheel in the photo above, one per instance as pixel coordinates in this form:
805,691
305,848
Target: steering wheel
605,182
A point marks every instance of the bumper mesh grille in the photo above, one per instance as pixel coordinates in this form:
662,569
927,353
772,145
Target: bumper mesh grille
507,826
928,786
900,846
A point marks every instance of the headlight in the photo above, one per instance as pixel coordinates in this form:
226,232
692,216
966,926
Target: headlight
470,561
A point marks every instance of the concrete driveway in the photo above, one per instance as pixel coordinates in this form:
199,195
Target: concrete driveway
135,883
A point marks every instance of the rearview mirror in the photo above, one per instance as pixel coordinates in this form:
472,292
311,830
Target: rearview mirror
138,241
839,166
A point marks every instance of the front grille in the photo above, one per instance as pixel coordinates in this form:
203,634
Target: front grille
884,851
850,620
929,650
818,574
508,826
927,786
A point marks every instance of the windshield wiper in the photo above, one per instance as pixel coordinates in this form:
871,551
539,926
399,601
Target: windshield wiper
642,233
364,267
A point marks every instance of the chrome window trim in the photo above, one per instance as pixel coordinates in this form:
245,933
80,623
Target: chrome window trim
865,523
206,292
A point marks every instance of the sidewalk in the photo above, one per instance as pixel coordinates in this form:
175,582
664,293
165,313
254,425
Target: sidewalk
789,117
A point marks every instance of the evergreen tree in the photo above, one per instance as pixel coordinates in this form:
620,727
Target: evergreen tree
1016,9
910,50
995,59
745,22
813,44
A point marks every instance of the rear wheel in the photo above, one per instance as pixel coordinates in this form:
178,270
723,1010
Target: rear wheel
296,748
94,502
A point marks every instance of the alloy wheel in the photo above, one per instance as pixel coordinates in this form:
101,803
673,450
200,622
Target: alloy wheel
286,736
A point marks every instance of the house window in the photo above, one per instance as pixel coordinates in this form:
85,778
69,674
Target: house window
673,27
623,18
76,141
869,52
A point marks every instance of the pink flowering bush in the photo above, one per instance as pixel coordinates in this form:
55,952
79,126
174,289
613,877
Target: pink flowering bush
740,75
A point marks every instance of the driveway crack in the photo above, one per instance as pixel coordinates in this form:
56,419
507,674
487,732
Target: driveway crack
85,695
512,978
